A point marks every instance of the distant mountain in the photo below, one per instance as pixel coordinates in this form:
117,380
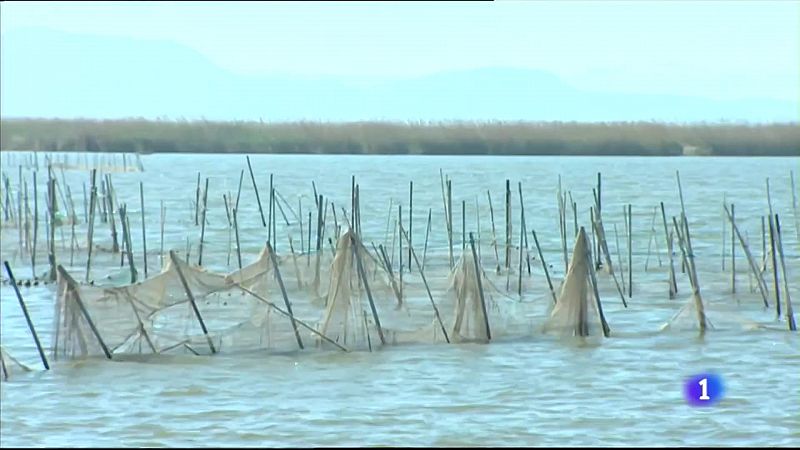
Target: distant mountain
45,73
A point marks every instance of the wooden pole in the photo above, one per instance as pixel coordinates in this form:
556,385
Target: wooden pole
109,199
701,313
294,319
463,225
388,265
786,296
508,224
73,287
630,251
27,316
91,225
400,246
425,282
239,191
269,214
363,275
191,299
427,233
126,235
619,258
236,231
544,265
760,281
494,232
598,202
203,225
283,292
197,197
523,227
521,242
673,284
593,281
52,241
410,221
598,225
255,188
774,265
478,274
450,221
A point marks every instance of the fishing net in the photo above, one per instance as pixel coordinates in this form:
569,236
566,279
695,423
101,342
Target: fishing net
157,315
363,307
575,312
462,312
718,316
10,366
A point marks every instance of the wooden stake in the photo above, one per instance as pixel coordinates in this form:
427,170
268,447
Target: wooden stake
478,274
255,188
91,225
760,281
283,292
774,265
363,275
427,233
410,221
109,198
191,300
73,286
494,232
544,265
197,196
593,281
508,224
203,225
673,284
630,252
27,316
786,296
126,235
425,282
236,231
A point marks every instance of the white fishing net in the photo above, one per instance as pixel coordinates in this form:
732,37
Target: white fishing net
718,316
358,283
575,312
10,366
157,316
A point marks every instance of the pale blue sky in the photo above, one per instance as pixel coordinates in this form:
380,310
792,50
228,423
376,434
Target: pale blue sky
717,50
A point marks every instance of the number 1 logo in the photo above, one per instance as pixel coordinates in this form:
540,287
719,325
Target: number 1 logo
704,389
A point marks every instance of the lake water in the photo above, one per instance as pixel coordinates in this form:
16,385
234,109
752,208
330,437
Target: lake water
530,390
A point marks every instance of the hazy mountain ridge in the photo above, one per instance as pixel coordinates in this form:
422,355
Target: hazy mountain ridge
52,74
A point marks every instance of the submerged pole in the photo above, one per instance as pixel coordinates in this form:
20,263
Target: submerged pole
72,285
544,265
27,316
363,275
255,188
425,282
478,273
283,292
191,299
786,296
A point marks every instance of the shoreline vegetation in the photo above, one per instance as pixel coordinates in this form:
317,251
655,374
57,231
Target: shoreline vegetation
399,138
